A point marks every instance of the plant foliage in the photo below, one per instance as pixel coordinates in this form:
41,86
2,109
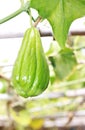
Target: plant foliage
60,14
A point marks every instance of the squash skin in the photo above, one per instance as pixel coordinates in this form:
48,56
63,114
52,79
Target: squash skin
30,76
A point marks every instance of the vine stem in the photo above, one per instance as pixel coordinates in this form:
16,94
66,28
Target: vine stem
11,16
22,2
24,7
30,18
37,21
14,14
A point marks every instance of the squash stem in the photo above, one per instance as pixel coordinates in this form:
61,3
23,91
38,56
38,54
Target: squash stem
37,21
30,18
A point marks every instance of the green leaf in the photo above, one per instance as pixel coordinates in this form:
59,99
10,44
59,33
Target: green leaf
63,63
3,85
60,14
78,74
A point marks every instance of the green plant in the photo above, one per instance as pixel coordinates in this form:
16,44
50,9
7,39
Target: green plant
60,14
3,86
30,74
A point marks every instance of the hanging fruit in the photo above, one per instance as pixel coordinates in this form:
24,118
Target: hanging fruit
30,76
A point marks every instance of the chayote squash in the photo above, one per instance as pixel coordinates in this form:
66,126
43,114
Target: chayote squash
30,76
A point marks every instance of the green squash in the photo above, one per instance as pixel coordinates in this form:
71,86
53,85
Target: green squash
30,76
